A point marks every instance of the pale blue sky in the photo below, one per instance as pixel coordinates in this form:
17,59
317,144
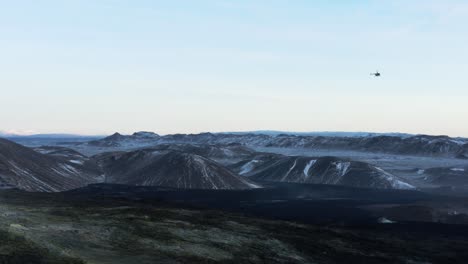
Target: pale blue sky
99,66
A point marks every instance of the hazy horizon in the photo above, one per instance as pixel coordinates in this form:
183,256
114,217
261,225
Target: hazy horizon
338,133
99,67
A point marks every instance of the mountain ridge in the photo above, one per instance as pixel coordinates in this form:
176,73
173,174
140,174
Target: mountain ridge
424,145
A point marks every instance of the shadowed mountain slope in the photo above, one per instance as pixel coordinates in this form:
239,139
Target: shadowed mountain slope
322,170
26,169
170,168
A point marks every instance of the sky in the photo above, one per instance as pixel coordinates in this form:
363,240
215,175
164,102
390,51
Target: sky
100,66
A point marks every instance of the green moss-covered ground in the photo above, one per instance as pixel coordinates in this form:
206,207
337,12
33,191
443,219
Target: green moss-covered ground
15,249
44,228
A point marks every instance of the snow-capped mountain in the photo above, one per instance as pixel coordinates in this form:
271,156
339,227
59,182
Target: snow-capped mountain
170,168
6,134
322,170
24,168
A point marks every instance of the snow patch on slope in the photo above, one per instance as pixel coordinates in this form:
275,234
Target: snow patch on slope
248,167
23,172
289,171
394,182
308,166
251,185
342,167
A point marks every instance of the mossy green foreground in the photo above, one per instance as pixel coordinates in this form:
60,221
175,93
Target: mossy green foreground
47,228
16,249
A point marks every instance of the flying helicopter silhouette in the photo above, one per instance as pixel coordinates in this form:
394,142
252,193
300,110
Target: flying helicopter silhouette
376,74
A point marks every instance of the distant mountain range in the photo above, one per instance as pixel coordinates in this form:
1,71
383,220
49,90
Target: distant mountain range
320,133
47,136
217,160
255,132
178,165
421,145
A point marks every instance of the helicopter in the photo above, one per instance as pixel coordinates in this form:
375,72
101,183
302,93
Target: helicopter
376,74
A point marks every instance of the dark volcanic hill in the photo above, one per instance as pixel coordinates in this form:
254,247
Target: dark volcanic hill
62,153
322,170
456,176
26,169
463,152
152,167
